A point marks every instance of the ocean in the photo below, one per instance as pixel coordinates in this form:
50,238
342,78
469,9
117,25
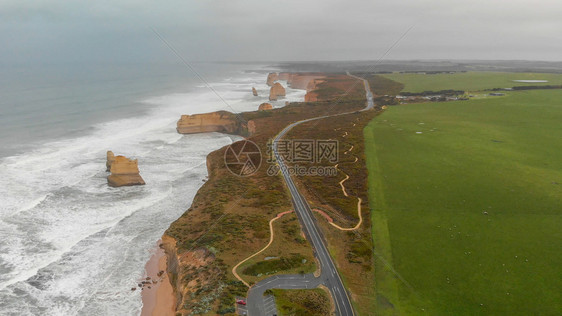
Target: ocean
69,244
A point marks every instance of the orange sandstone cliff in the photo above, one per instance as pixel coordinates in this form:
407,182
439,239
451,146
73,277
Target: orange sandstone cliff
124,171
301,80
311,95
284,76
220,121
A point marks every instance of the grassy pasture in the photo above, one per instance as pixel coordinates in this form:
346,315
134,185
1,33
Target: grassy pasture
470,81
466,200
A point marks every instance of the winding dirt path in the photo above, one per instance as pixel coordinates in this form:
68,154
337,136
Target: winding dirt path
271,235
347,195
326,216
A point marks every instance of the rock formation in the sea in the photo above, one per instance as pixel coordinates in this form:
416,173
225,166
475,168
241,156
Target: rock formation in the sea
265,107
110,159
254,92
124,171
276,91
271,77
220,121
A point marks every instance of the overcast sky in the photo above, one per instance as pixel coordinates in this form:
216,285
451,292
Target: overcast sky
263,30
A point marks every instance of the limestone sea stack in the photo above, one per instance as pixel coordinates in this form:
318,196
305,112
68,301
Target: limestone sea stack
124,171
276,91
254,92
271,77
220,121
265,107
110,159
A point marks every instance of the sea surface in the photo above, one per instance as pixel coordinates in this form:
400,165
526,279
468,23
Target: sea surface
69,244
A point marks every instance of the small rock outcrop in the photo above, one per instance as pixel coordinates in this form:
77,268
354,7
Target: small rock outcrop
220,121
276,91
110,159
265,107
254,92
124,171
271,78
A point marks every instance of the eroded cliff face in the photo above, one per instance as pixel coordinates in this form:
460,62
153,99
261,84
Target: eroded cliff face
311,95
276,91
188,271
265,107
124,171
301,80
221,121
284,76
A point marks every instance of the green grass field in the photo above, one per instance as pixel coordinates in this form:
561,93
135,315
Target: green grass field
467,200
470,81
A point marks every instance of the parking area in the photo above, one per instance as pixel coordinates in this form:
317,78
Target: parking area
270,307
241,309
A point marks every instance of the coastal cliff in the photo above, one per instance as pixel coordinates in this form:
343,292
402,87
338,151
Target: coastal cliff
229,218
124,171
221,121
301,80
311,95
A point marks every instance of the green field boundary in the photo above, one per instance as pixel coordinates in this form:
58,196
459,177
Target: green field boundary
386,283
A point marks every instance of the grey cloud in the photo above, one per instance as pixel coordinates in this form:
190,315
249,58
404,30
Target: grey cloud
259,30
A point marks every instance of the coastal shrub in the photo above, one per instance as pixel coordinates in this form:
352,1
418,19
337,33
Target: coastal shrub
269,266
226,310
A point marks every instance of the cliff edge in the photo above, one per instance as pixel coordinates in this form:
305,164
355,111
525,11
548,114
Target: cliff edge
221,121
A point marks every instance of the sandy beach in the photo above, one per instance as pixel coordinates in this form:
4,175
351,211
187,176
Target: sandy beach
159,299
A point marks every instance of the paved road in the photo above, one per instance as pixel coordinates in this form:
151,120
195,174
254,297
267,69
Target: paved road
369,94
329,274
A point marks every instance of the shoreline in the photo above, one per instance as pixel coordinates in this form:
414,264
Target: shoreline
159,299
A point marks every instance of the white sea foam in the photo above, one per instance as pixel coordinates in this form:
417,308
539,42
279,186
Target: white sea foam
71,245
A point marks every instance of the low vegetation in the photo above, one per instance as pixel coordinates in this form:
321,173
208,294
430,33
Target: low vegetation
314,302
353,250
228,220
